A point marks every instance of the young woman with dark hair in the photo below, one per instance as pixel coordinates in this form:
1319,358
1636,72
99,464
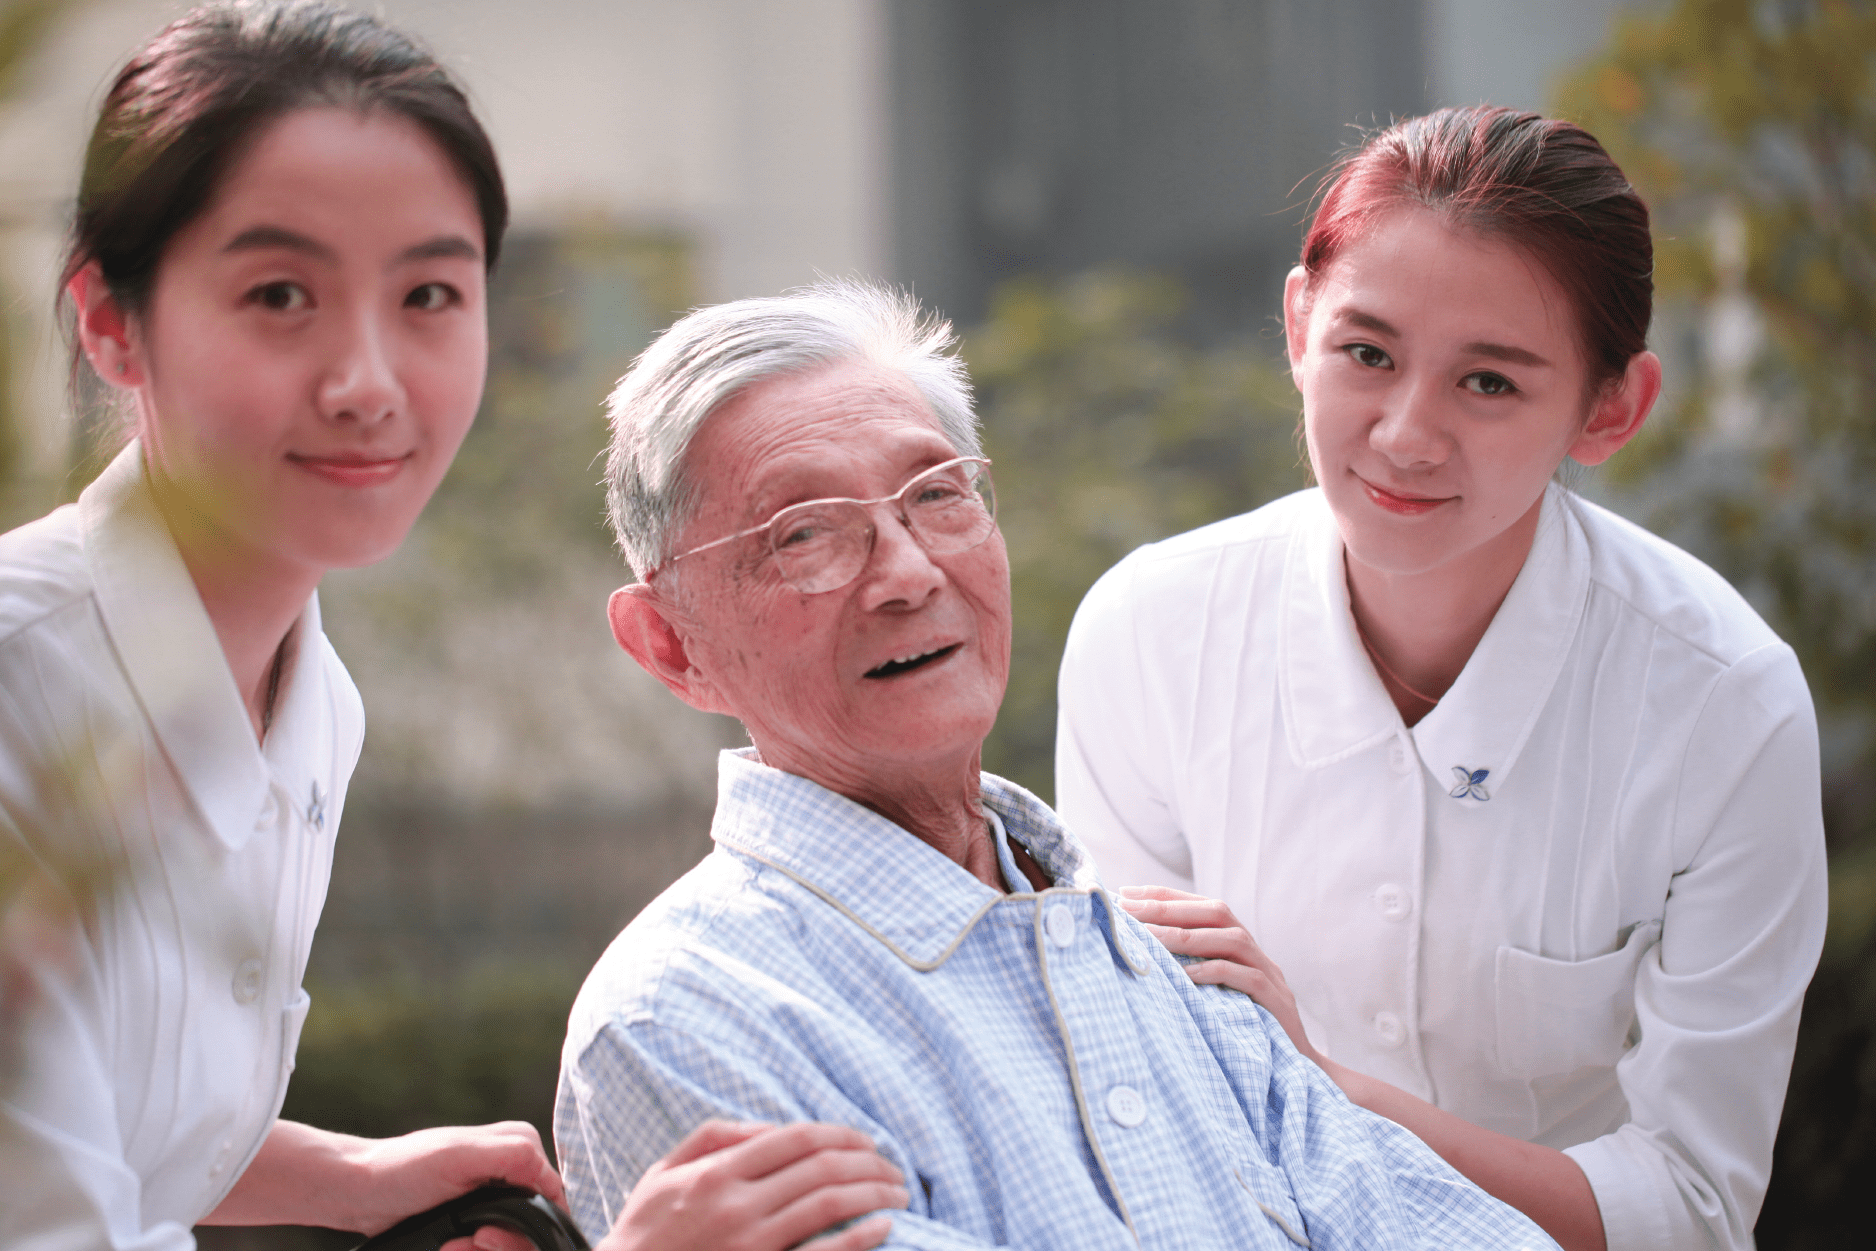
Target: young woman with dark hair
1505,808
278,263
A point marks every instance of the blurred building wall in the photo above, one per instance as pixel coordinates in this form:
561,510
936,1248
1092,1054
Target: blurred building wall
1055,135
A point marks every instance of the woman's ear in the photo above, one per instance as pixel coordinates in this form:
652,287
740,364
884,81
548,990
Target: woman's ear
1296,319
648,629
1620,410
105,332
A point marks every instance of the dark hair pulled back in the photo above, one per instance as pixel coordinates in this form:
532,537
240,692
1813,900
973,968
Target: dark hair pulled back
1543,185
180,113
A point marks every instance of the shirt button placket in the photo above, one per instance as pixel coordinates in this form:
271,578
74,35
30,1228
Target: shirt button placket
1126,1105
1058,921
1388,1028
247,981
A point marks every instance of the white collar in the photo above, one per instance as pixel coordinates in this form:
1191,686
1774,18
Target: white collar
172,657
1335,704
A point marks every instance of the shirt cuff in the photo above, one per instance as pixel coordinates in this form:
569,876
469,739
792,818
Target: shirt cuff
1633,1188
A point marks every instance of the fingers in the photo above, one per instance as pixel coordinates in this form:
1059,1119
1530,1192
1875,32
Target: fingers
711,1137
867,1234
1169,907
779,1146
518,1158
1252,982
1154,892
827,1206
492,1238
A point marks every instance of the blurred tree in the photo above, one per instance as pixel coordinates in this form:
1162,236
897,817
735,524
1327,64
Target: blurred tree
1750,126
24,25
1108,432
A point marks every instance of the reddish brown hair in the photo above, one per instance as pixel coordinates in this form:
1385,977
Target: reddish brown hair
1540,184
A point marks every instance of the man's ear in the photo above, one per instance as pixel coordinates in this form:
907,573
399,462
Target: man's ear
1296,319
1620,410
646,628
105,331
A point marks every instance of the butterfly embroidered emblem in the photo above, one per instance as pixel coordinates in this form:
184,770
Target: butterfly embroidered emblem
316,808
1471,783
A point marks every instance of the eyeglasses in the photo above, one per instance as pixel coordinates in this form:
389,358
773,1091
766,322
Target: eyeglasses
822,545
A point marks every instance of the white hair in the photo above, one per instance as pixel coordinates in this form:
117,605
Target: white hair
711,354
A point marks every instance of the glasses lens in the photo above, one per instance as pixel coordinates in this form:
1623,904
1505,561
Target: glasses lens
952,508
820,546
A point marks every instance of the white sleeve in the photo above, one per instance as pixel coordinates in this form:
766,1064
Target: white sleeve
1113,754
1717,999
66,1182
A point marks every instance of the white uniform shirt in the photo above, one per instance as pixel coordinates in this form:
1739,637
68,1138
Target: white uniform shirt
158,1025
1578,903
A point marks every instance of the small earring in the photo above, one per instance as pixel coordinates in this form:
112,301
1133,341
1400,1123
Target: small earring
123,367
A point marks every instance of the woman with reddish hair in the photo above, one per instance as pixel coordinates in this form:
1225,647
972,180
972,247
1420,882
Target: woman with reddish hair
1505,808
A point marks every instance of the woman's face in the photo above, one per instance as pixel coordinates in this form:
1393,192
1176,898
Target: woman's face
314,345
1442,385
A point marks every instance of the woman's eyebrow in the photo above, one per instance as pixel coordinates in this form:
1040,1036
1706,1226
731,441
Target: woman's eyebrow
1505,352
443,247
257,238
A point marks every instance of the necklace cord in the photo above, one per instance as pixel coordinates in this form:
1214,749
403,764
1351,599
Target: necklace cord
1375,656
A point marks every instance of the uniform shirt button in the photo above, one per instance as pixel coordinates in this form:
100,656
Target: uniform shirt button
1388,1028
1397,756
1392,901
247,980
1060,923
1126,1106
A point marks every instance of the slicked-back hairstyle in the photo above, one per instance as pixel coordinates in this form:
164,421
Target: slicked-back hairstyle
1543,185
190,100
711,354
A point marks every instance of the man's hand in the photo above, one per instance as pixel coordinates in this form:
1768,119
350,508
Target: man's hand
1192,925
739,1187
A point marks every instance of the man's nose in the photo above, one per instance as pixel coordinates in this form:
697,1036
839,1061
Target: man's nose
900,570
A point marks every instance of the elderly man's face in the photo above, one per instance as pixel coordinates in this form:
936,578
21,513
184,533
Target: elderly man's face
811,676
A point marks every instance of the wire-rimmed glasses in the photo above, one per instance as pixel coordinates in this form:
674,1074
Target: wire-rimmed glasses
821,545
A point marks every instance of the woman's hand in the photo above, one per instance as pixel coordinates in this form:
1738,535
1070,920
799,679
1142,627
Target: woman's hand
733,1186
1192,925
307,1176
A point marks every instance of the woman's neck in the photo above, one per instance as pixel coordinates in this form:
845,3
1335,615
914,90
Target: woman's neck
1421,628
252,598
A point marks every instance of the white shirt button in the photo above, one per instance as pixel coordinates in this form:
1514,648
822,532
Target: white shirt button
1397,756
1060,923
1392,901
247,980
1388,1029
1126,1106
222,1154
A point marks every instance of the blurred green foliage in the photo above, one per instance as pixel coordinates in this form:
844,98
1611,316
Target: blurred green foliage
385,1056
1762,114
1107,431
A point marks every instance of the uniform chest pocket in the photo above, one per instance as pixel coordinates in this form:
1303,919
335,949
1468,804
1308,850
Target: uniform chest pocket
1557,1016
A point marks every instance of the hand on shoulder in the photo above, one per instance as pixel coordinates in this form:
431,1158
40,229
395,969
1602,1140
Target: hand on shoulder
734,1186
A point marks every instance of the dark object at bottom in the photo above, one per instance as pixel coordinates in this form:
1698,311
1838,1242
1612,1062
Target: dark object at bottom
506,1207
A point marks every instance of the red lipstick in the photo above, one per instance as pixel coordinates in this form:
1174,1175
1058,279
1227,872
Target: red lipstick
1402,505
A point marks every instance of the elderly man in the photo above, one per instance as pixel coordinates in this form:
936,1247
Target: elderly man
884,936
